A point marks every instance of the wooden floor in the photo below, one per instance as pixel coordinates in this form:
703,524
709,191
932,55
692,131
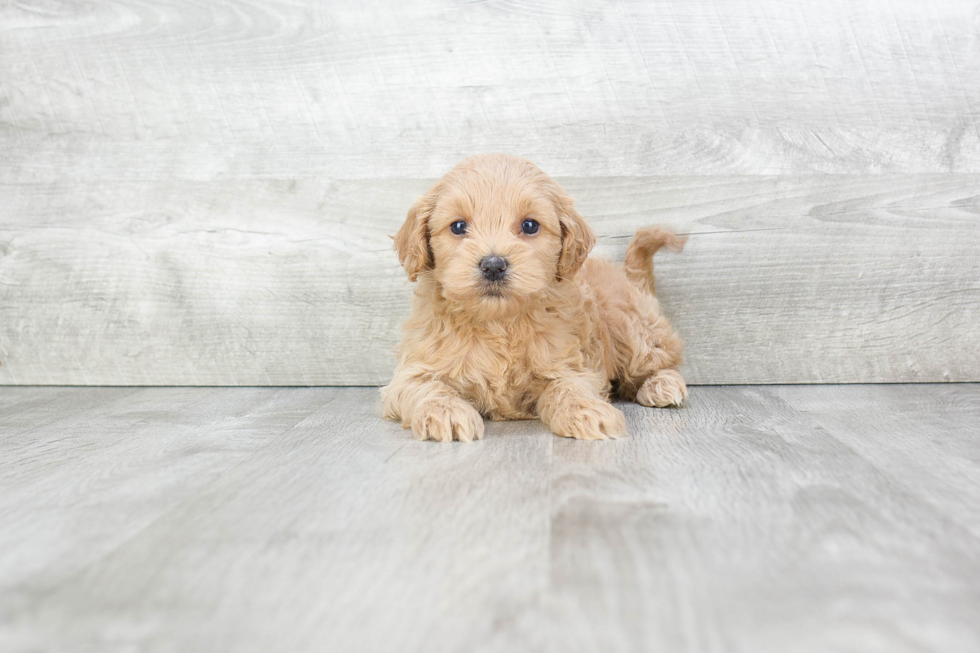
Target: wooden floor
776,518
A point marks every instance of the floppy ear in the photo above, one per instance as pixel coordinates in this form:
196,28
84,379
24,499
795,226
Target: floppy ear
577,238
412,240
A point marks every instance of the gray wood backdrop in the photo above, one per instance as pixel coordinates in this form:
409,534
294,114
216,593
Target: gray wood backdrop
200,193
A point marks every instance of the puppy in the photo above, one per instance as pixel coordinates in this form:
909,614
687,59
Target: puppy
512,321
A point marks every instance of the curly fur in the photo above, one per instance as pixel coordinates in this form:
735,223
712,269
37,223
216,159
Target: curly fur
560,335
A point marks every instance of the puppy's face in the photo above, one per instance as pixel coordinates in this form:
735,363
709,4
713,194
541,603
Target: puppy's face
494,240
495,233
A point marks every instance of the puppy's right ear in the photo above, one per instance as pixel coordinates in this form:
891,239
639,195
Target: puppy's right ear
412,240
577,238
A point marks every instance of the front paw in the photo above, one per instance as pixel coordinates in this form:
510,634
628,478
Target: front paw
445,420
595,420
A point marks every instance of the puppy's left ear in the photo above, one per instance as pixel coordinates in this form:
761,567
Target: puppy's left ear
577,237
412,240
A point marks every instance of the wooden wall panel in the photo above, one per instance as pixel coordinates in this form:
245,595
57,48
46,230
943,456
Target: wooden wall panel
176,89
200,193
784,279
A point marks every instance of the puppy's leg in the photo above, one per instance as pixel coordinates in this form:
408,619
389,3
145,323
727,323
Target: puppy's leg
650,376
573,408
648,372
663,389
432,410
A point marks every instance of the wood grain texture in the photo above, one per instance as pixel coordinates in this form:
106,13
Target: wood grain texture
199,193
80,450
119,89
943,455
784,279
756,519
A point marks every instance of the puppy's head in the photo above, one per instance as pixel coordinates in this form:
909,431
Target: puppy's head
495,233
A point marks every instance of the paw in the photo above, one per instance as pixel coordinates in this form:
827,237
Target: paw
665,388
597,420
446,420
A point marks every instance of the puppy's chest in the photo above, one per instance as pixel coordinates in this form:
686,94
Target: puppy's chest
503,378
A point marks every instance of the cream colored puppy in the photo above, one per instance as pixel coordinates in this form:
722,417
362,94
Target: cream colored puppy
512,321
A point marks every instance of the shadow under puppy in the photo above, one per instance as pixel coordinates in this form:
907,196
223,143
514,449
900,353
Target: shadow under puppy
511,320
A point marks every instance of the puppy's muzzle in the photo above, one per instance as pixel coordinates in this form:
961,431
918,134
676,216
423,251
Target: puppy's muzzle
493,267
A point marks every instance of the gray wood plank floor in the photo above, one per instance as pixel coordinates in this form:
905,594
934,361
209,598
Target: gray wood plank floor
759,518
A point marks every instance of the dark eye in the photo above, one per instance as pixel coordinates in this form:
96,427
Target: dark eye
530,227
458,227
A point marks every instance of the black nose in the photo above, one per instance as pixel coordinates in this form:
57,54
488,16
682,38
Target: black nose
493,267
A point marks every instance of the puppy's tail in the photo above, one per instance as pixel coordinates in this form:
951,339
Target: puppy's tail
639,254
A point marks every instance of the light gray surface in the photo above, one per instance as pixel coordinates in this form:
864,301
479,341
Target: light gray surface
118,89
815,279
200,193
803,518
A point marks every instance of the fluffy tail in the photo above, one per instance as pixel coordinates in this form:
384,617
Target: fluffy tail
639,255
